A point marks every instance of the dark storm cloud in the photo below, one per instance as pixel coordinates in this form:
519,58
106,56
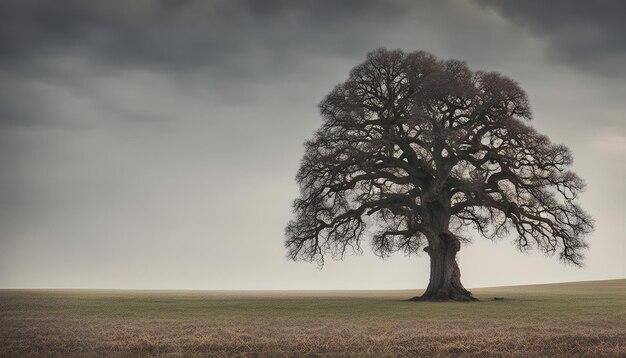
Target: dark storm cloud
61,44
587,34
182,34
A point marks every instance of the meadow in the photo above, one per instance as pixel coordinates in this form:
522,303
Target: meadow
555,320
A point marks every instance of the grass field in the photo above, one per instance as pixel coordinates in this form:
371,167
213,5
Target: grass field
568,319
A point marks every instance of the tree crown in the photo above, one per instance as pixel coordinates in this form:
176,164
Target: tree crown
414,147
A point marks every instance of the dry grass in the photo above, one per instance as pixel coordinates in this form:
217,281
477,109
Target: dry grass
572,319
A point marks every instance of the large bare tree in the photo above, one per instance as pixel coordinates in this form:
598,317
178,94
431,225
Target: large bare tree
423,152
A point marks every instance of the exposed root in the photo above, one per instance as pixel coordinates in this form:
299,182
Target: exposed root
443,298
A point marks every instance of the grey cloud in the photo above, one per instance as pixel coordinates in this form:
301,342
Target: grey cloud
183,34
586,34
67,43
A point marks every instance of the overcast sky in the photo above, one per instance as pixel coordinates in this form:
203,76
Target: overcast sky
154,144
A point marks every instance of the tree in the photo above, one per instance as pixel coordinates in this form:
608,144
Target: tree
425,151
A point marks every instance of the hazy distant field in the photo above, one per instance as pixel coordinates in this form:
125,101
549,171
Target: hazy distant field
587,319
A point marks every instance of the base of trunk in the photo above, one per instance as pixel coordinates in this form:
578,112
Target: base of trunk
459,297
445,276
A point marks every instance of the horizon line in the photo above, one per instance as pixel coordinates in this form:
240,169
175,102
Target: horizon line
277,290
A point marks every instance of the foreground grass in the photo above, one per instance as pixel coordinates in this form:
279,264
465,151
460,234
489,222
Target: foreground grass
569,319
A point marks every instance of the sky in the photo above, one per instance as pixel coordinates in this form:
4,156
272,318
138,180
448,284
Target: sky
154,143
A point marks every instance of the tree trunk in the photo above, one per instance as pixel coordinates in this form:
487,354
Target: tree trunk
445,276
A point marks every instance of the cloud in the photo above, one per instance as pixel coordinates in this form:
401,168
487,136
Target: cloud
586,34
72,45
184,34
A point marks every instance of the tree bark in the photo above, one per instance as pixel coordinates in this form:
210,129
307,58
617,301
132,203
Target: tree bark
445,276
